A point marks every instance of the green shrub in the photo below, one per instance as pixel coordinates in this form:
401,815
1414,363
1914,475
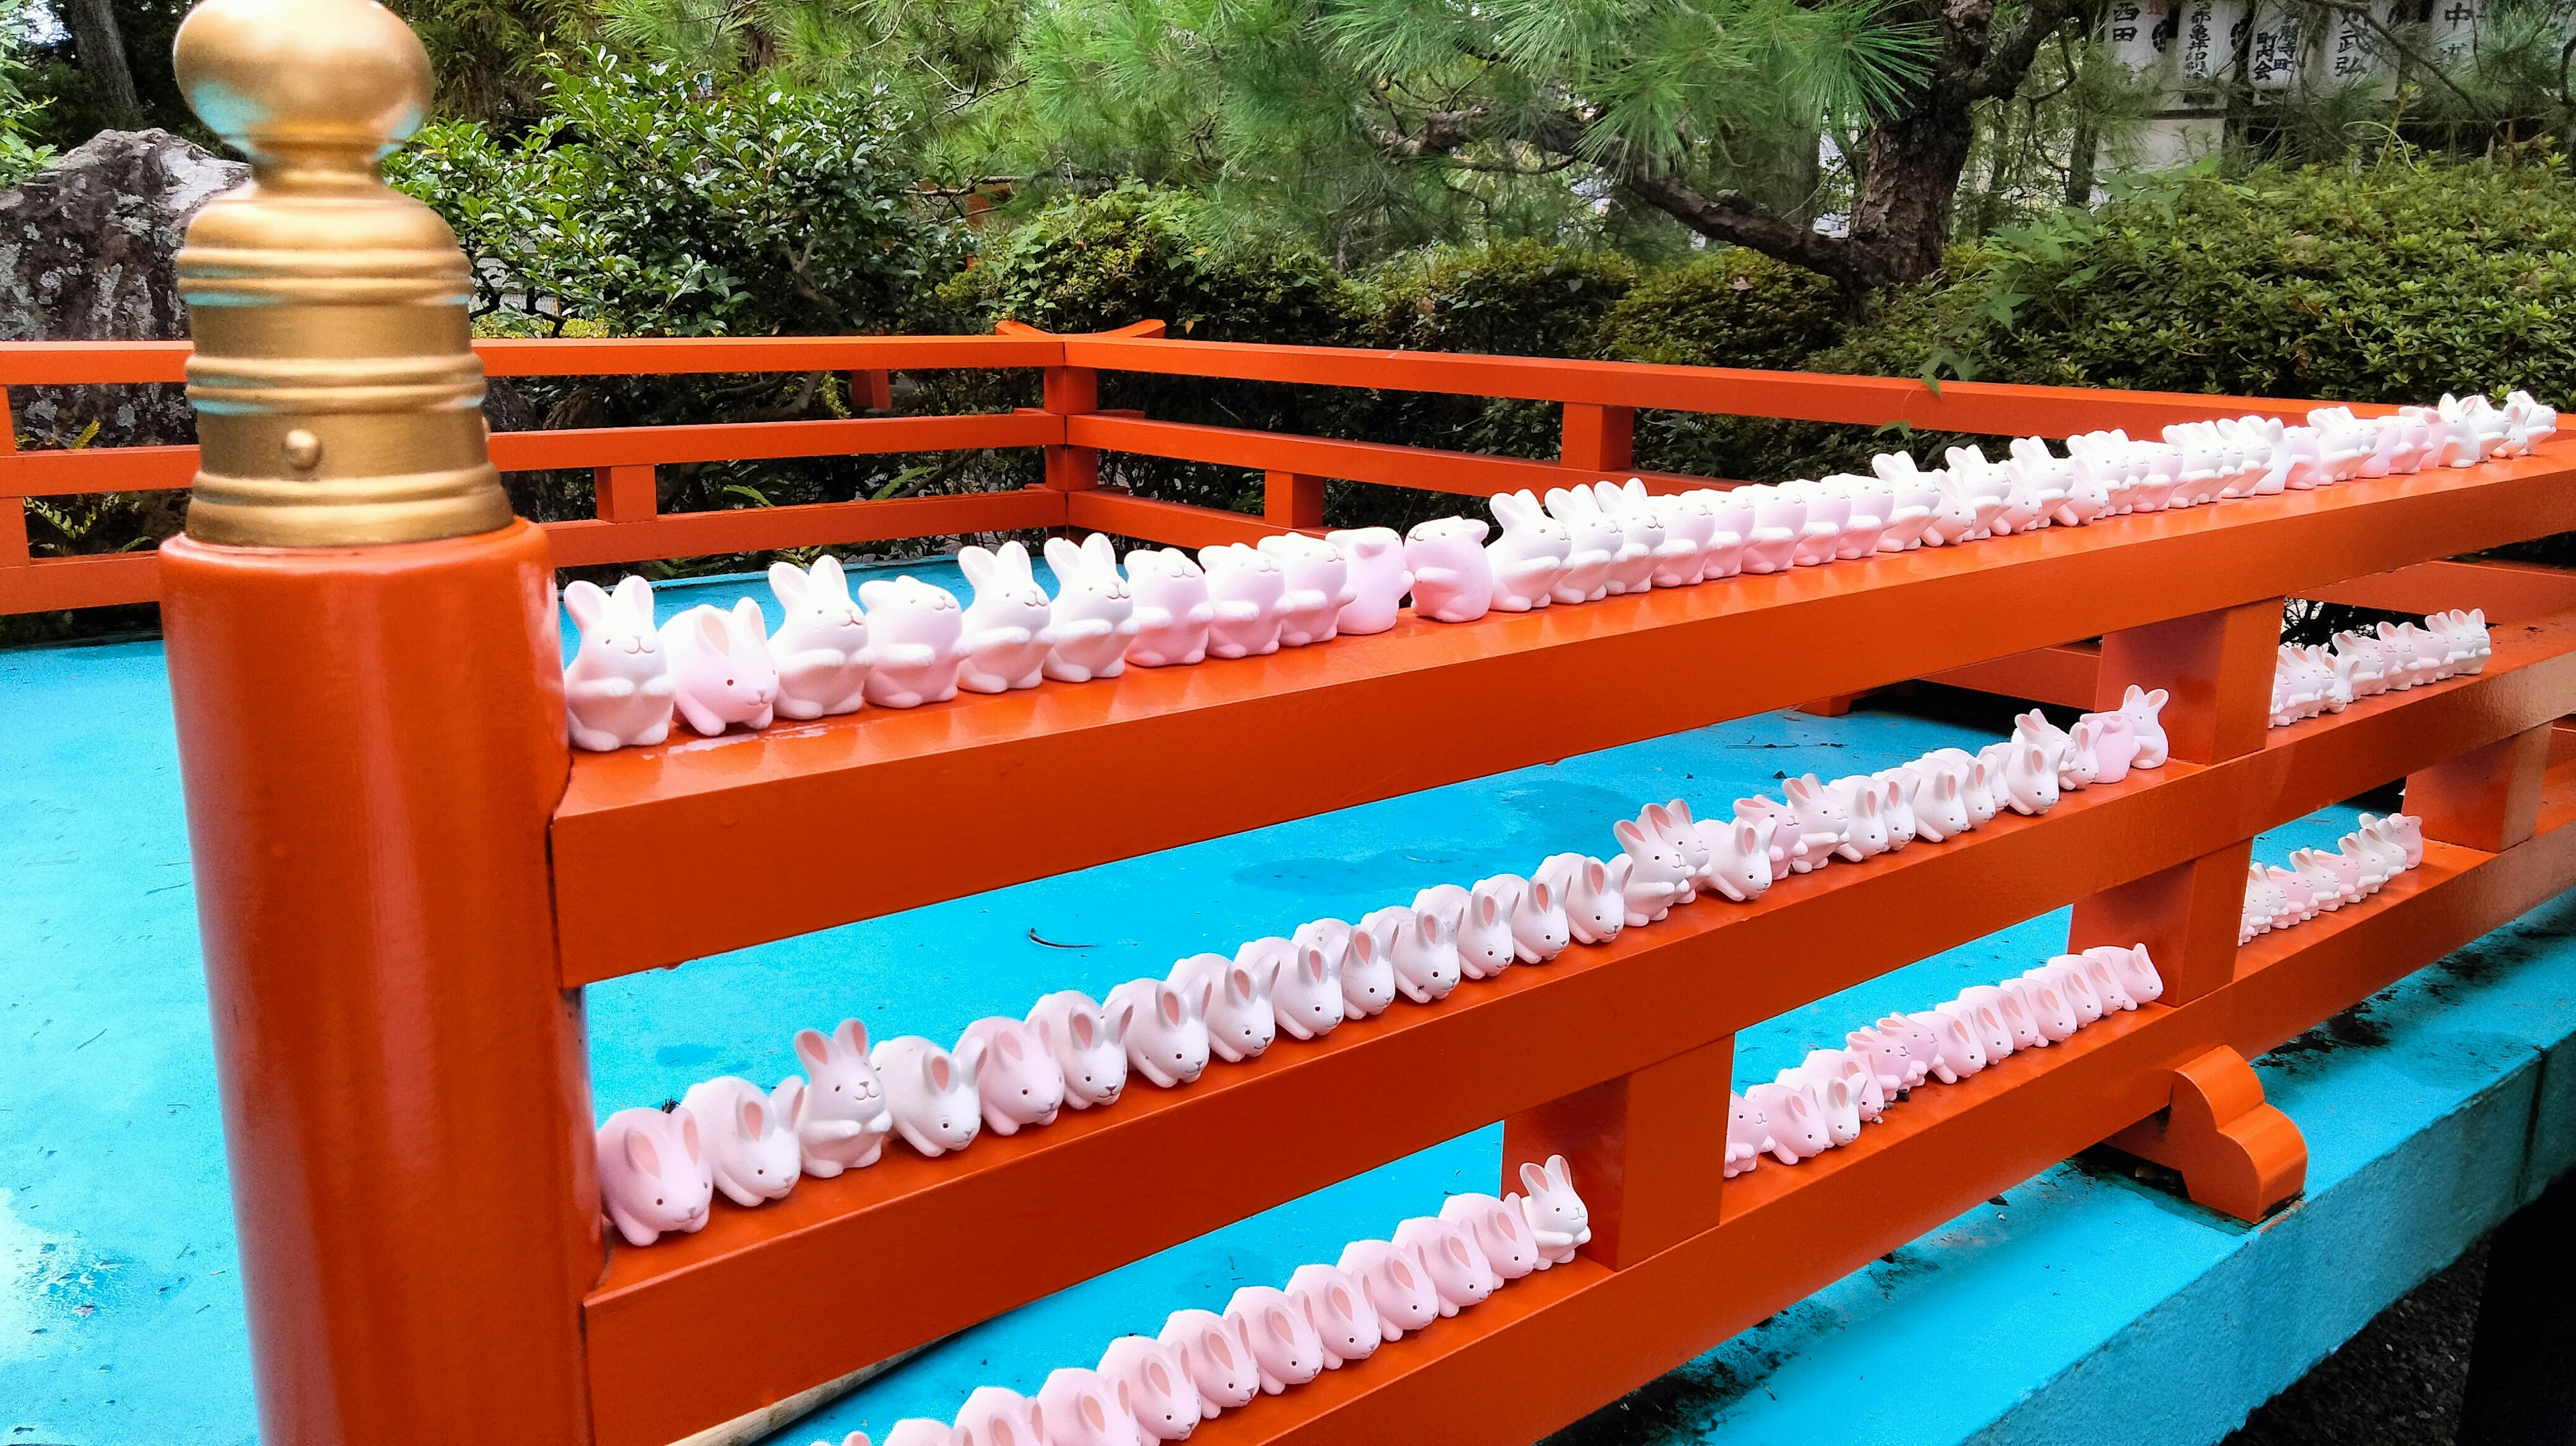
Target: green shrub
1730,308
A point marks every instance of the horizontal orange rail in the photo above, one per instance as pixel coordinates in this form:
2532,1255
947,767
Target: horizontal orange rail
1593,1015
1713,652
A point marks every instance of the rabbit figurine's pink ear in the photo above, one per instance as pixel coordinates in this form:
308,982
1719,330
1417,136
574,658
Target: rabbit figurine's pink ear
1542,896
1628,834
750,624
1046,1034
789,583
642,1153
714,631
789,1102
1311,961
1064,557
1168,1001
1533,1178
586,603
970,1058
1283,1327
1008,1042
1118,1017
812,1050
1364,946
1748,838
755,1119
1238,985
852,1035
637,595
935,1070
688,1132
1596,875
1560,1172
1489,911
977,564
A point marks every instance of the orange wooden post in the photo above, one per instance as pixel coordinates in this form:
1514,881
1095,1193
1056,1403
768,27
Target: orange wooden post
2487,798
2237,1154
364,670
1292,499
626,493
1072,391
1598,438
872,391
2216,671
13,510
1648,1147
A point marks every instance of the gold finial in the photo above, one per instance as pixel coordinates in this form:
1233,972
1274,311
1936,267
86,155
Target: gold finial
339,401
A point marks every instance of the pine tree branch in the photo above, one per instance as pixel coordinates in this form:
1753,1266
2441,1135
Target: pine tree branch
2008,58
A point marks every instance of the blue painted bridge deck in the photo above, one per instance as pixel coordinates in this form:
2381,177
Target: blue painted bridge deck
2430,1113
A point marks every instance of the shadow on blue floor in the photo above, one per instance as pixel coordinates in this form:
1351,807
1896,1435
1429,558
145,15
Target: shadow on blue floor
121,1316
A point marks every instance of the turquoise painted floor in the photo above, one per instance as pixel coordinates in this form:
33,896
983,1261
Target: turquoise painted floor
121,1315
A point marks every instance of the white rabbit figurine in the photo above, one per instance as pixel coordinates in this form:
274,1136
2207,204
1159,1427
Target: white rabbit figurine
1249,591
653,1174
1167,1037
1658,874
1306,992
1452,575
1593,545
1173,609
1641,536
845,1122
918,631
1739,856
751,1140
1530,555
1318,587
1093,618
1019,1082
1240,1021
1378,578
720,668
617,688
1425,956
931,1092
1009,626
1592,894
1090,1044
1557,1217
821,646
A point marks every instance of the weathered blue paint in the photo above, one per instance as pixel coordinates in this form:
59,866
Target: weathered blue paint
121,1319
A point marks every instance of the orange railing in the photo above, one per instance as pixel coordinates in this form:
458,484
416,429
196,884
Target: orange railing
1600,401
399,947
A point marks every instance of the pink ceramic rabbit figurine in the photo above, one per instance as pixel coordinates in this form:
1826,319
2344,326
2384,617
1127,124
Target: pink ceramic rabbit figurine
995,1416
1593,543
1307,997
1453,578
2079,766
653,1174
1940,808
1500,1231
1595,907
2073,986
911,1431
1869,1098
1540,928
1094,618
1793,1131
1216,1357
1249,590
1285,1348
821,648
750,1137
1833,1096
1009,629
720,668
1459,1271
1319,587
1173,610
2007,1006
1956,1053
918,633
1425,956
1379,579
1734,528
1159,1390
2135,970
1865,836
1984,1025
1739,856
1824,823
1167,1036
2045,1006
1338,1307
2405,830
2145,708
1368,968
1891,1065
1077,1407
1897,790
2029,776
1240,1023
618,688
1689,531
1398,1283
846,1121
1528,558
1090,1045
931,1092
1020,1082
1748,1135
1658,875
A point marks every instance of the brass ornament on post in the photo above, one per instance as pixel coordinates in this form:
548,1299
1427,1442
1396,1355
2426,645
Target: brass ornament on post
339,400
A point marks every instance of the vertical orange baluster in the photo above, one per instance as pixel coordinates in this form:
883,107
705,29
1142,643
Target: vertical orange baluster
2487,798
13,510
1292,499
1648,1151
2216,670
1598,438
626,493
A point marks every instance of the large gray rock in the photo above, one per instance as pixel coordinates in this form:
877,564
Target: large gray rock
88,253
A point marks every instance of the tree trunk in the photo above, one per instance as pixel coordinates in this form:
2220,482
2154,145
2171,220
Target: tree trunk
102,62
1902,222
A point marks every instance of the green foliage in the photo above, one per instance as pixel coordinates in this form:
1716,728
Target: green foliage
652,201
490,55
1731,308
2395,283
